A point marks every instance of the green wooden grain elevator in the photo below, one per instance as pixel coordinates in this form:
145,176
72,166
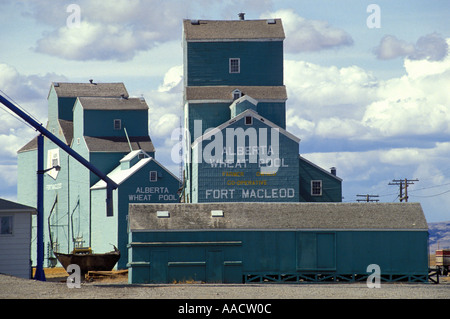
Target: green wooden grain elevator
237,145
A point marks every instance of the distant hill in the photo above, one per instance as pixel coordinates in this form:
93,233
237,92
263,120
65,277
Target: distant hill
439,235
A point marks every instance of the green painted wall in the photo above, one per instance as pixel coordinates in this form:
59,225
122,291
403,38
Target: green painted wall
242,180
183,256
135,122
136,189
331,186
261,63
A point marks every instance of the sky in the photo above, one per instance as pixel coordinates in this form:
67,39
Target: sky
367,81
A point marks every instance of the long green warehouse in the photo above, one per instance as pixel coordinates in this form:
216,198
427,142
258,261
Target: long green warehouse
255,242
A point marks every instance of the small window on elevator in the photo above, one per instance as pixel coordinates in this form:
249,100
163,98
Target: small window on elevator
236,94
117,124
316,188
248,120
235,65
153,176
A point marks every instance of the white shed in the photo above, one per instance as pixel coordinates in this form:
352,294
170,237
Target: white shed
15,238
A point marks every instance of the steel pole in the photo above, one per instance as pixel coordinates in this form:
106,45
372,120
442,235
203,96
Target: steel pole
40,275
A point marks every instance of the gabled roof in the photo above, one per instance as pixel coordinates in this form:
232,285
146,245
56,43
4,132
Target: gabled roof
67,130
319,168
7,206
248,112
112,103
243,99
225,93
198,30
280,216
120,175
30,146
65,89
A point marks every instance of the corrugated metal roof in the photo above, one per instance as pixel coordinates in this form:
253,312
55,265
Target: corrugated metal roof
225,93
283,216
233,29
65,89
114,103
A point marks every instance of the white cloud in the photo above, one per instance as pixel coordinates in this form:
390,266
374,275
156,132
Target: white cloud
350,103
107,31
96,41
309,35
166,104
432,47
29,92
369,172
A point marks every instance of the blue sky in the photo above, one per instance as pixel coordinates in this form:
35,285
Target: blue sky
373,102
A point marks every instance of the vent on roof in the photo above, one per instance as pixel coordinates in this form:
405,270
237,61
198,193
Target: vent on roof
271,21
217,213
241,15
195,22
56,84
162,214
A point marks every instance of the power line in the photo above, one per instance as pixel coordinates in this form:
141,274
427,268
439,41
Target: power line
403,183
434,195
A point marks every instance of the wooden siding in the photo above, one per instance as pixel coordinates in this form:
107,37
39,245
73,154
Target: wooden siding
331,185
211,184
244,254
15,249
261,63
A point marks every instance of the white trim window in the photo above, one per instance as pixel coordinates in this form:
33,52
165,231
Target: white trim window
117,124
153,176
237,94
235,65
316,188
248,120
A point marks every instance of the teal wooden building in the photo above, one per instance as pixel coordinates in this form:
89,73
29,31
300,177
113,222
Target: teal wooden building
101,122
277,242
237,145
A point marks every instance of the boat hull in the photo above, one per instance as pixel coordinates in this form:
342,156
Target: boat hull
90,262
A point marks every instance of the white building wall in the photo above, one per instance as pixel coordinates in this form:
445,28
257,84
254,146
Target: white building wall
15,248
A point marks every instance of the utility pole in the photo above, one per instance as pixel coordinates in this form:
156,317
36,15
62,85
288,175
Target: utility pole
367,198
403,183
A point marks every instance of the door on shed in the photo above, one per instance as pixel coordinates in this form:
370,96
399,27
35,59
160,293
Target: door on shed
158,266
316,251
214,266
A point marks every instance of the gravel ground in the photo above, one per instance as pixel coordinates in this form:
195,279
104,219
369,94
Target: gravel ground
17,288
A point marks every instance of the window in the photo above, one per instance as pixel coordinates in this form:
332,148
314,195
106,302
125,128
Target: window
55,160
235,65
6,225
236,94
316,188
153,176
117,124
248,120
